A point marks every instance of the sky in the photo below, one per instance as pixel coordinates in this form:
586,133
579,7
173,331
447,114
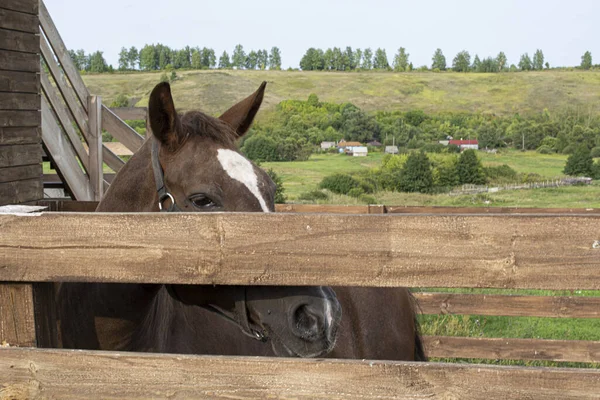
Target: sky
563,30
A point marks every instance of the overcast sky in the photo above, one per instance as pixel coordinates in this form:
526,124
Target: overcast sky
563,29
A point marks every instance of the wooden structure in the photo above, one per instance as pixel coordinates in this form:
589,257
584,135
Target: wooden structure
20,119
408,246
545,250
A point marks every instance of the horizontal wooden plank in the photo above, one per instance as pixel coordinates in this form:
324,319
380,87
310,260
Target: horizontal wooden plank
21,192
19,41
19,101
527,252
25,82
68,205
512,349
60,50
16,315
20,118
27,154
25,6
20,173
68,374
17,61
382,209
510,306
19,21
20,135
132,113
120,130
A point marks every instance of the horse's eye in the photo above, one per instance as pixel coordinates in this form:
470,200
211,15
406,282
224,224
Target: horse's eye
201,201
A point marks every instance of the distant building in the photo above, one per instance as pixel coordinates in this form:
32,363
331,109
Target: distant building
360,151
391,150
465,144
327,145
374,143
343,144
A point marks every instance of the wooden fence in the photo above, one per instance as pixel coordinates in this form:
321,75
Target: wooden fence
530,250
72,117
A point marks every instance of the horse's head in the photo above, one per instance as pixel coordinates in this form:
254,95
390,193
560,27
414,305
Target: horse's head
197,168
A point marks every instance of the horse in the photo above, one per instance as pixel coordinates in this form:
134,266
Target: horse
377,323
190,164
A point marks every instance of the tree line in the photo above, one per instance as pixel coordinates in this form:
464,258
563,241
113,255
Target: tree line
298,127
337,59
154,57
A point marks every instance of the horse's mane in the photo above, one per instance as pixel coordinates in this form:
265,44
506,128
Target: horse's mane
198,123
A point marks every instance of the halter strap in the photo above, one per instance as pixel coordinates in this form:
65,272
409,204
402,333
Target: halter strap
159,180
240,315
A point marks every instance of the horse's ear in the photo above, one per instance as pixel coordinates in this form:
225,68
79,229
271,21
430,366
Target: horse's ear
163,117
241,115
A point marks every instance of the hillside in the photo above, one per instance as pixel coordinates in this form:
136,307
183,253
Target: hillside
502,94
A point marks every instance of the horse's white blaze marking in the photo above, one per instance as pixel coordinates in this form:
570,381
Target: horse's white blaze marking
241,170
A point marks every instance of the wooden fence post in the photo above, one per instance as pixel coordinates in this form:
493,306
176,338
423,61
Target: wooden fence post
17,325
95,146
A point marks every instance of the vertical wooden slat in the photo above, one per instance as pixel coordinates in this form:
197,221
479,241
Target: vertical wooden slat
95,146
17,327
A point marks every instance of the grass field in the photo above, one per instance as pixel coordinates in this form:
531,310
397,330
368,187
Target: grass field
304,176
503,94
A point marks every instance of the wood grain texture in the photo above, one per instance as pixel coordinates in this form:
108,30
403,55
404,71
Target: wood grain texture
59,48
120,130
65,119
510,306
77,109
135,113
527,252
11,174
24,82
18,192
512,349
64,156
19,21
16,315
20,135
19,101
95,146
25,6
382,209
67,374
15,155
17,61
20,118
19,41
111,159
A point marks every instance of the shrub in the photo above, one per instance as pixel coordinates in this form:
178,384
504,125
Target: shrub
261,148
580,163
368,199
500,173
595,152
433,148
339,183
356,192
452,148
469,168
120,101
570,149
164,77
416,174
313,195
543,149
280,196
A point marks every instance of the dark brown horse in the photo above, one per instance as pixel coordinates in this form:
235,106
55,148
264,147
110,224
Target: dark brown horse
190,164
203,172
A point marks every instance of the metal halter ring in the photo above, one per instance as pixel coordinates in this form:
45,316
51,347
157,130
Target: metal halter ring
163,198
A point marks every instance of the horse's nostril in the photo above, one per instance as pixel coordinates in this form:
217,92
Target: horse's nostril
306,323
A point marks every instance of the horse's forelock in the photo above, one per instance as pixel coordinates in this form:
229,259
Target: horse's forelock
200,124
